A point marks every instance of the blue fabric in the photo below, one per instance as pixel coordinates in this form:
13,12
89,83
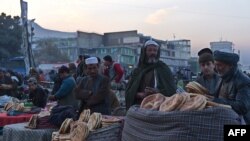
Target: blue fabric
14,113
66,88
4,99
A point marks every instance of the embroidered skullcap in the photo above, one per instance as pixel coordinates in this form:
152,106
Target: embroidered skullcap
151,42
91,60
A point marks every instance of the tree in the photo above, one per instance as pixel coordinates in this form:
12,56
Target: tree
49,53
10,36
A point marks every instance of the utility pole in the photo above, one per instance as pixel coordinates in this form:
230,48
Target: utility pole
25,42
27,37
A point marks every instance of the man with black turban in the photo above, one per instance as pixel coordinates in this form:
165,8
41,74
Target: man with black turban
234,87
151,76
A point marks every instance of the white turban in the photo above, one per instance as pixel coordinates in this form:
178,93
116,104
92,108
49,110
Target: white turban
151,42
91,60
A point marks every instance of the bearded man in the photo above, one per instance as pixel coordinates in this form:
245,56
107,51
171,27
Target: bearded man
234,87
93,90
151,76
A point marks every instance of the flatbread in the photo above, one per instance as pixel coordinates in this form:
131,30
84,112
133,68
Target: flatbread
65,127
194,103
94,121
212,104
84,116
153,101
80,133
171,103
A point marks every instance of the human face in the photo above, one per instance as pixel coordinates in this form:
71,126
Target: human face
151,53
207,68
222,68
32,86
92,70
106,63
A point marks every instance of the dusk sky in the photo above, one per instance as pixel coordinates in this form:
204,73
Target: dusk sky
201,21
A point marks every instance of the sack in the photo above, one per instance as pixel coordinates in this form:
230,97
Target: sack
206,125
60,113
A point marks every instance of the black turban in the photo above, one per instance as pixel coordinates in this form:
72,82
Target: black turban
228,58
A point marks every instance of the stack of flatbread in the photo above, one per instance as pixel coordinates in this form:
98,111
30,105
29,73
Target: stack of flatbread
18,107
65,127
84,116
64,137
8,106
153,102
80,133
55,136
79,130
194,87
178,102
32,122
109,120
94,121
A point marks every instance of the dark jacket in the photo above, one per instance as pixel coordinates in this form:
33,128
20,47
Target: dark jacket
210,84
237,93
165,78
94,94
38,97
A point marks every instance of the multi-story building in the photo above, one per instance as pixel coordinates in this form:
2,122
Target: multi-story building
87,41
123,46
225,46
181,54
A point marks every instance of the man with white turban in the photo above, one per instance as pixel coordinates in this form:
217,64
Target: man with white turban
93,90
151,76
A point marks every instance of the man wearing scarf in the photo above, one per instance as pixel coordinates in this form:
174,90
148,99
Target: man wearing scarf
234,87
151,76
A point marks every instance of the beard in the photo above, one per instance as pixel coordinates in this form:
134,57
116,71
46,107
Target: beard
152,60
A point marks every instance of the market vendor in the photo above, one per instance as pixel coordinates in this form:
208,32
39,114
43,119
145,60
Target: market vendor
7,87
38,96
151,76
93,90
234,88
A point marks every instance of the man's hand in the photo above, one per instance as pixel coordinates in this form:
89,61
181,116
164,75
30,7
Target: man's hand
141,95
149,90
52,97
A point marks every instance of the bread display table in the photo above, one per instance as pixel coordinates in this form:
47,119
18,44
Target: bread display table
18,132
5,119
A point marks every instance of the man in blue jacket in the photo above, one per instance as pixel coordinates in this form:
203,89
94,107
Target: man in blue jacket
65,95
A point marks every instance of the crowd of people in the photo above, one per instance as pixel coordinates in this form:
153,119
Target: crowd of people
90,84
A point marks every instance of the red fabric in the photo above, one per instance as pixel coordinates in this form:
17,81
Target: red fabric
5,120
119,71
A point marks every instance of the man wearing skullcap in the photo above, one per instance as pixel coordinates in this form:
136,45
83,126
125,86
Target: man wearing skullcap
208,77
234,87
64,95
93,89
151,76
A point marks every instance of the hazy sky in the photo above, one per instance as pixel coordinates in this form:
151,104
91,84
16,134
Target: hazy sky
201,21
